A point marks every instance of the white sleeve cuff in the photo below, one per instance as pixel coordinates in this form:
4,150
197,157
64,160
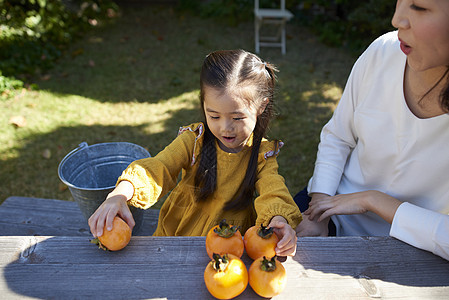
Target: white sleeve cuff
422,228
326,179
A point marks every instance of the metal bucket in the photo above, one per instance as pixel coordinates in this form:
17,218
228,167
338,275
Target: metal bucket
91,172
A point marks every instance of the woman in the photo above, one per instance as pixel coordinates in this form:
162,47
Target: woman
382,162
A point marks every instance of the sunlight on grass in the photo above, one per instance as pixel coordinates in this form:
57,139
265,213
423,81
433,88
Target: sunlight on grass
187,101
324,96
51,123
44,112
332,91
152,115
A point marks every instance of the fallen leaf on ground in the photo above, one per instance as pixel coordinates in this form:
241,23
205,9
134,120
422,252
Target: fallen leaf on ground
46,153
95,40
18,121
62,187
77,52
46,77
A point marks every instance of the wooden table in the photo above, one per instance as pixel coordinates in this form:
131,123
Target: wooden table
45,253
69,267
38,216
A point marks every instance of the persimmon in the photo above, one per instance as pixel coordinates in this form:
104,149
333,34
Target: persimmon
224,238
225,276
260,241
117,238
267,278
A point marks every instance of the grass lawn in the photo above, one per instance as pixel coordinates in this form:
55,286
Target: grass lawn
138,81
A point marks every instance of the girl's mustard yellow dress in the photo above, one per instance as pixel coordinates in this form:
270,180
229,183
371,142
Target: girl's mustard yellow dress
181,214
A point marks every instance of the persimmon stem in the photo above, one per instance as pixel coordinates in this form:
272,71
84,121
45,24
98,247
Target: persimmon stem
268,265
220,262
225,230
265,232
97,242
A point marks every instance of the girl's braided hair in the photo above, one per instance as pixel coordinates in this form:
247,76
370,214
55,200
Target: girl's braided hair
228,70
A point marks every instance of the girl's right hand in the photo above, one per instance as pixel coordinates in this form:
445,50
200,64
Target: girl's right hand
311,227
115,204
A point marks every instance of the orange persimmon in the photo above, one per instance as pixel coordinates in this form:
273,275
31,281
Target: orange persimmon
225,276
260,241
117,238
224,238
267,278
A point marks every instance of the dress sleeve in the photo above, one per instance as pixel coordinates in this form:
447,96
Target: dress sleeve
153,177
273,198
422,228
338,137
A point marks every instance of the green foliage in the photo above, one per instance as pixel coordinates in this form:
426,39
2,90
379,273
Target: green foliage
33,33
350,23
8,86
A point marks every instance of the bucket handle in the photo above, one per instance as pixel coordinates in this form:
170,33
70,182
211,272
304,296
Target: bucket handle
80,146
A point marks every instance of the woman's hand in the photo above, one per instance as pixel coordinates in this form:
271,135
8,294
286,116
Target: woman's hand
287,237
356,203
115,204
336,205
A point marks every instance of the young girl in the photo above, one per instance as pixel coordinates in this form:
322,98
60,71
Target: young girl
224,161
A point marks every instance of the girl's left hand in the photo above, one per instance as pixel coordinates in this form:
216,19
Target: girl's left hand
287,236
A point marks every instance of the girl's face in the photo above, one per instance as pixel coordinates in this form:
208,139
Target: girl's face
423,30
230,119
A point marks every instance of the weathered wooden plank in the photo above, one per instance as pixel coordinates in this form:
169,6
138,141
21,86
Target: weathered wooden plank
172,267
383,258
50,217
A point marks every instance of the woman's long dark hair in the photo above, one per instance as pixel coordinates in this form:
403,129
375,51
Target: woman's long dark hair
227,70
444,95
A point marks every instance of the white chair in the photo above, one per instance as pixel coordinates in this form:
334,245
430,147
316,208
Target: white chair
276,17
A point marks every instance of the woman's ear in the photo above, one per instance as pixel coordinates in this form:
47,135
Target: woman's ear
263,105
